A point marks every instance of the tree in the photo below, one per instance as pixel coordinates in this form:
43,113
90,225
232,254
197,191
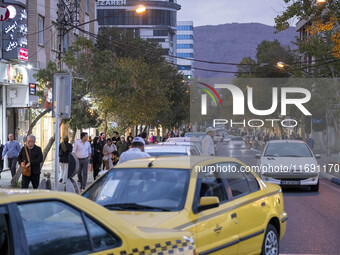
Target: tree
323,18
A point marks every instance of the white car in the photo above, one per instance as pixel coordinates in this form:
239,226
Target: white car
169,150
192,140
289,163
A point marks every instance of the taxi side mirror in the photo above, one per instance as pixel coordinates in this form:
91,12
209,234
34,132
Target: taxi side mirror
258,156
208,203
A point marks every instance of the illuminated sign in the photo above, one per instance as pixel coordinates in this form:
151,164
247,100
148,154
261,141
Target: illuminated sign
32,89
23,54
4,13
13,74
14,37
111,2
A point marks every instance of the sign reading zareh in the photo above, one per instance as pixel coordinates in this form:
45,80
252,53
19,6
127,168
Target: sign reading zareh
112,2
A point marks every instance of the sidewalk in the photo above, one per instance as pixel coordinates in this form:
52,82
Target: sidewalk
6,177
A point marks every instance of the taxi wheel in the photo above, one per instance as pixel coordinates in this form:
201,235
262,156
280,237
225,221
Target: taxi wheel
270,244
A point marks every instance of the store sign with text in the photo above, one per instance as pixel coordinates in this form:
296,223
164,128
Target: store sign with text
111,2
14,35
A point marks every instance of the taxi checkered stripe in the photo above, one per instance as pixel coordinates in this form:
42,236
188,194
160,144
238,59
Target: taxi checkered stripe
158,249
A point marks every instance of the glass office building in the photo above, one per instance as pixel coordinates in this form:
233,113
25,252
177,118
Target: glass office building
185,47
157,23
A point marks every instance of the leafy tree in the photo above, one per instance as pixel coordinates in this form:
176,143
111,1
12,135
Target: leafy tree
322,17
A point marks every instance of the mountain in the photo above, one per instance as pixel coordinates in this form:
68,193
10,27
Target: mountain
231,43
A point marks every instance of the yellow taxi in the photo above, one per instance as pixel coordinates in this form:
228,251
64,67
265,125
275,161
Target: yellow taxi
228,209
59,223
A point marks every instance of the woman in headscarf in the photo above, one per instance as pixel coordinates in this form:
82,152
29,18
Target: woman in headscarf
64,151
97,156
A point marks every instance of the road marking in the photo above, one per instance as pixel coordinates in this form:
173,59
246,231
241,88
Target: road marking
331,186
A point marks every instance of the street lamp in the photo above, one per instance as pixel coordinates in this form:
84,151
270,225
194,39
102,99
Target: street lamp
140,9
281,66
321,1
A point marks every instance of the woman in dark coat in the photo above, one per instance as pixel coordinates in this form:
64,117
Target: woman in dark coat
65,149
97,156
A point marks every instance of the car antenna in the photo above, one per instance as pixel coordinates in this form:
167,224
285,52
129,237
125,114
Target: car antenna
151,162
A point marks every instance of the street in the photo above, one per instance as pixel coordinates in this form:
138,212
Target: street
313,225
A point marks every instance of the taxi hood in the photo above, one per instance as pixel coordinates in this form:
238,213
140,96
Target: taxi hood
148,219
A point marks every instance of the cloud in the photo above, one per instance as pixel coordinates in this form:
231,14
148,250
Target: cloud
214,12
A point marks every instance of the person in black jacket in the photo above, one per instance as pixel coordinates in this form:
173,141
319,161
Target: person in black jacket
1,160
35,159
64,152
97,156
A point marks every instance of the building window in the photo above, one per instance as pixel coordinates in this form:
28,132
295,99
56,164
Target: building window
152,17
190,28
41,25
157,39
185,37
185,55
160,33
54,37
185,46
184,68
65,42
87,6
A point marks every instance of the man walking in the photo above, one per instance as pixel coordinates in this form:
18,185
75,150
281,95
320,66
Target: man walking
310,141
12,149
31,156
208,146
122,145
137,151
82,150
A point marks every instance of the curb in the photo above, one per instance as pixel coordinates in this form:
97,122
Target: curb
330,178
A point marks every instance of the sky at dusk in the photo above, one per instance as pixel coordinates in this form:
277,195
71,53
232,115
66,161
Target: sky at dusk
214,12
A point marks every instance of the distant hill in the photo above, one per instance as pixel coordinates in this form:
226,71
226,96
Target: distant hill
231,43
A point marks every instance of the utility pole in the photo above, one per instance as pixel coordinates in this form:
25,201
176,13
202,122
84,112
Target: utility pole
66,19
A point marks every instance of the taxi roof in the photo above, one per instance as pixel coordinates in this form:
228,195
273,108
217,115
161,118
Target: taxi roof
181,162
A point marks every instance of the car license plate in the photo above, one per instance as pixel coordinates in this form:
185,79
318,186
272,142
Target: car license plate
290,182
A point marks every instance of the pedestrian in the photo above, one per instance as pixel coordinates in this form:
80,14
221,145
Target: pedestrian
310,141
115,138
137,151
1,160
115,157
122,145
208,146
31,157
12,149
130,139
108,149
97,156
102,138
91,163
64,152
82,150
151,138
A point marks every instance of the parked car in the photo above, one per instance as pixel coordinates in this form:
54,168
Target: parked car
199,135
54,223
232,212
289,162
193,147
195,141
170,150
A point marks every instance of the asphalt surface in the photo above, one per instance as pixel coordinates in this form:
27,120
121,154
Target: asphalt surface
313,226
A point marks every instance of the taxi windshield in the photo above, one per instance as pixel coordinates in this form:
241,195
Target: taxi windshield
141,189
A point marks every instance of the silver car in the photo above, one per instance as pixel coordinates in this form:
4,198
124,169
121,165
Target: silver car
289,163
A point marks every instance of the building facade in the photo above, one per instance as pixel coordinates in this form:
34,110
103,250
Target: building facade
157,23
185,48
29,41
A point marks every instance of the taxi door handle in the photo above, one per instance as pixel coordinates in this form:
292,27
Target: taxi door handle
234,215
263,204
